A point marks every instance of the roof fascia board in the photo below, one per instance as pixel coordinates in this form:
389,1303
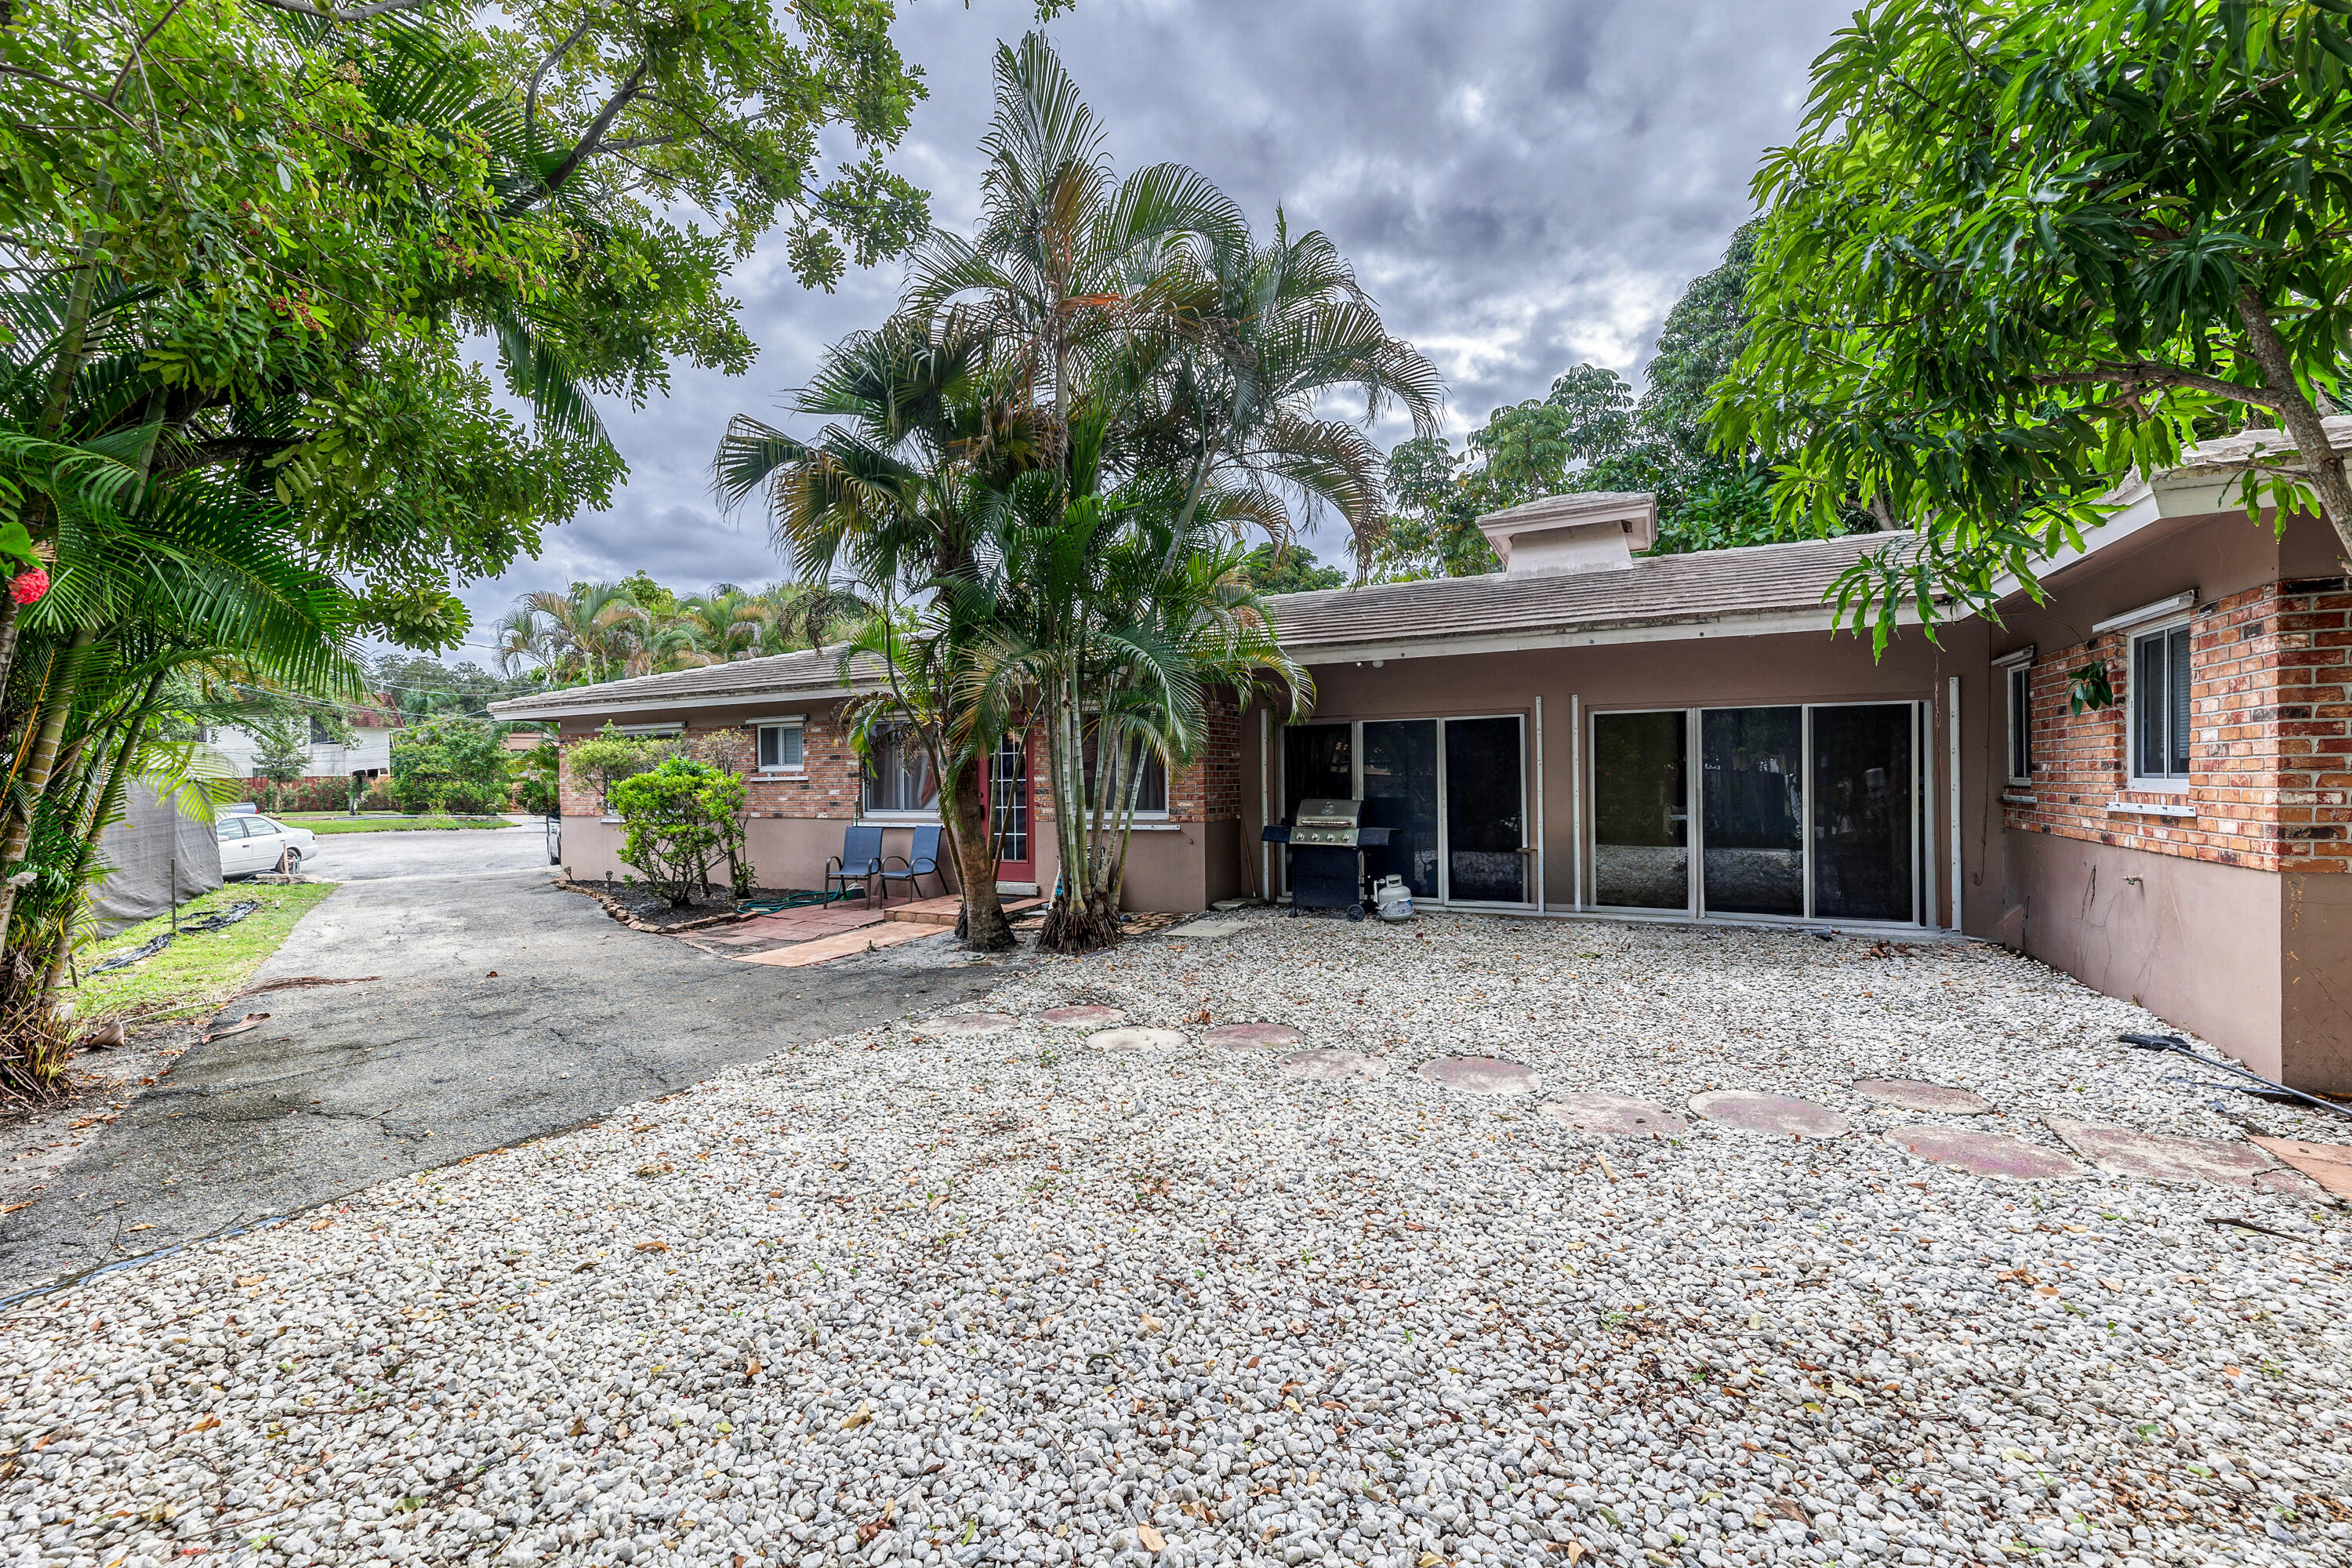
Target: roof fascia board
658,704
1774,624
2141,506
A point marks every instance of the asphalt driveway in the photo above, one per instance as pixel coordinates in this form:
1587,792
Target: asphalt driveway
486,1007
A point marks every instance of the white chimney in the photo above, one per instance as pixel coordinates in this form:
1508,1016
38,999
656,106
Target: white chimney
1596,530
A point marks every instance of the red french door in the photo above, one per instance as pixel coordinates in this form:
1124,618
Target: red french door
1009,813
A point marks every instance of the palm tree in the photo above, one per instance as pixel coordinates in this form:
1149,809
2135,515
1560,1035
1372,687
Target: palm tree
895,494
595,632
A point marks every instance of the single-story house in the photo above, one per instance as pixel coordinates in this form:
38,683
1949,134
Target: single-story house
1594,732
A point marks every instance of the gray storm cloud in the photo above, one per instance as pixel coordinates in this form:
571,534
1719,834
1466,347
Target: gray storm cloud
1522,184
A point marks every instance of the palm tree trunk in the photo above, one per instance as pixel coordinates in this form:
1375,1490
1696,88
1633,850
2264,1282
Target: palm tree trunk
34,777
985,929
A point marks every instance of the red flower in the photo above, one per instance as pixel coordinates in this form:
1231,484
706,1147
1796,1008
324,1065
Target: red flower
29,585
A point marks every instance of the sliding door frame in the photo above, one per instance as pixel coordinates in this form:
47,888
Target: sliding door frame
1694,806
1445,833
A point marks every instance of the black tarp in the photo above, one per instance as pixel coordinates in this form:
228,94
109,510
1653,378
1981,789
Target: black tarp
155,842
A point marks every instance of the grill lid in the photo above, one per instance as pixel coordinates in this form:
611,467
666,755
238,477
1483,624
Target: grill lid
1330,812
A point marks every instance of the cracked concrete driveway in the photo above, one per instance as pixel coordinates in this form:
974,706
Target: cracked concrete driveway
433,1057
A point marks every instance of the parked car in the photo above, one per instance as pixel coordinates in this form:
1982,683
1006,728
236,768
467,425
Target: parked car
251,843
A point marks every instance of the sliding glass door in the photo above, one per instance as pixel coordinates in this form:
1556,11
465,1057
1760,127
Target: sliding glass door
1752,810
1452,793
1640,810
1802,812
1401,794
1865,822
1486,848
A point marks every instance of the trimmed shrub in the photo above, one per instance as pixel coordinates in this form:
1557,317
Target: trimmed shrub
681,822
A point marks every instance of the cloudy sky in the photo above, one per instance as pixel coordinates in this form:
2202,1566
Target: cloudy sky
1521,183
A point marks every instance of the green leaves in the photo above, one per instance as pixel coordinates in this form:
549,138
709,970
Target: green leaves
2017,254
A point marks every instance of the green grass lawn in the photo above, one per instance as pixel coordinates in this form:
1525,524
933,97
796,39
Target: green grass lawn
336,822
200,970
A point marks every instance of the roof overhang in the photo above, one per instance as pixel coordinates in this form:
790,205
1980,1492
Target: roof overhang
674,704
1721,628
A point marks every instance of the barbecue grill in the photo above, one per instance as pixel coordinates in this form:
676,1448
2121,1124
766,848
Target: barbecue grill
1326,861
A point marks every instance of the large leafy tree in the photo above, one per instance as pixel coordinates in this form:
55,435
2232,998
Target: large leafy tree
2017,252
1592,433
252,254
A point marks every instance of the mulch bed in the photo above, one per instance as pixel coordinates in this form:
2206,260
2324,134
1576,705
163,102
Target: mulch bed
640,909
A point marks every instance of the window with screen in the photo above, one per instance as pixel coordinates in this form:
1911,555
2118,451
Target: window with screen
2021,723
2160,707
780,748
899,774
1150,789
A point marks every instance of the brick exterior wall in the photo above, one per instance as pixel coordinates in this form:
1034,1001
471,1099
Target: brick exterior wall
826,787
1208,789
2271,752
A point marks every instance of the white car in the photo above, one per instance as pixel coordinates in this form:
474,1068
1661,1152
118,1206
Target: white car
250,842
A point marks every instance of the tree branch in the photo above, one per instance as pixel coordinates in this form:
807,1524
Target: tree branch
590,141
531,98
2147,373
353,14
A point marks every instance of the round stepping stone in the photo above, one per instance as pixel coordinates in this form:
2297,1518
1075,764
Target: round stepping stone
1913,1094
971,1023
1332,1065
1480,1074
1775,1113
1247,1035
1618,1115
1984,1153
1086,1015
1137,1040
2157,1157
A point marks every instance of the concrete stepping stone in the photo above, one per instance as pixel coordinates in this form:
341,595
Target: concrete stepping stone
1248,1035
1915,1094
2160,1157
1085,1016
1134,1040
1781,1114
970,1023
1618,1115
1330,1066
1984,1153
1480,1074
2328,1165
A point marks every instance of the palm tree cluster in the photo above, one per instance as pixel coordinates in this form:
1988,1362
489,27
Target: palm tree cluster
1042,470
608,631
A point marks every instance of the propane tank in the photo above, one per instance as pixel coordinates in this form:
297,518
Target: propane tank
1392,900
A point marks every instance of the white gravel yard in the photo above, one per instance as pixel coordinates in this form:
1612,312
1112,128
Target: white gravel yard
1003,1295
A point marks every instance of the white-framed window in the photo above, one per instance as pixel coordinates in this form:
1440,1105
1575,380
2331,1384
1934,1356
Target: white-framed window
2158,700
899,774
2016,672
1150,787
780,748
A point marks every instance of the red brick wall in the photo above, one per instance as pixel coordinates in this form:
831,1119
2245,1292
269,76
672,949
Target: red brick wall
825,787
2270,758
1209,788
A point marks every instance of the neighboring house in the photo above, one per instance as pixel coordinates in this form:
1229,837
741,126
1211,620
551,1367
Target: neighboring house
1685,737
369,754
